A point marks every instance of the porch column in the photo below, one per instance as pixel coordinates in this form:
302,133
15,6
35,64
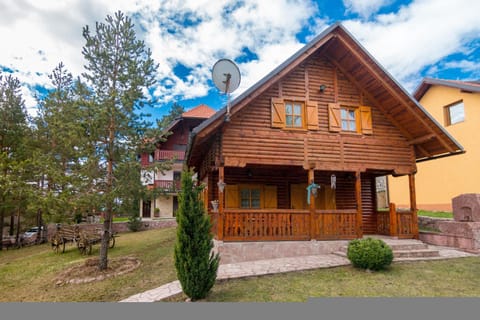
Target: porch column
358,197
221,204
393,220
311,174
413,204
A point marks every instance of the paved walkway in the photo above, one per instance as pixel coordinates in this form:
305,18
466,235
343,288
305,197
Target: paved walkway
263,267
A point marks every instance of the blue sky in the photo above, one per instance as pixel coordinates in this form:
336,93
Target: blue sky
411,39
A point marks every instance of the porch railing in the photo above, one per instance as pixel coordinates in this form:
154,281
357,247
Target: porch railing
399,223
285,224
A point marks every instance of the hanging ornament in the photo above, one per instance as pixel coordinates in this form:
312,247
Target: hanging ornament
333,181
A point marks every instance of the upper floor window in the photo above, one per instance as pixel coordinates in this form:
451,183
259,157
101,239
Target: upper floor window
454,113
348,117
294,114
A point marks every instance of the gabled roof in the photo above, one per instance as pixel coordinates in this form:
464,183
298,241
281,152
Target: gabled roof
421,130
470,86
202,111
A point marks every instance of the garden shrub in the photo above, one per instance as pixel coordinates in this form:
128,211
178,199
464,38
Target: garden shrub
369,253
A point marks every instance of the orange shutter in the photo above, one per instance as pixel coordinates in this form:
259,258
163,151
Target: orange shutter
334,117
312,115
270,197
278,113
366,119
231,196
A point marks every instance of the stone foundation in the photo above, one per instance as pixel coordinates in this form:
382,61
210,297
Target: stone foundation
234,252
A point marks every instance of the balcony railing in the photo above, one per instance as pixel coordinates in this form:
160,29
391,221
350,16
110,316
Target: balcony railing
169,155
168,185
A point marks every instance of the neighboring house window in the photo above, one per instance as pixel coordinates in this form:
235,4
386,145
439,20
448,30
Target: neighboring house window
294,114
348,117
454,113
250,198
150,157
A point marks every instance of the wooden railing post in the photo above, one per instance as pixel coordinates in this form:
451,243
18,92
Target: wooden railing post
221,204
358,197
413,204
311,175
393,220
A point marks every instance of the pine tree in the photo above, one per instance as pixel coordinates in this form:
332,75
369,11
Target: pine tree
196,265
119,71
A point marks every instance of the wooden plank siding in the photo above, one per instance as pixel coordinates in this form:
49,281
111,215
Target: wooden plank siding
249,138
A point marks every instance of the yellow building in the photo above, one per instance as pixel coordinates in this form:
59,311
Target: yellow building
456,106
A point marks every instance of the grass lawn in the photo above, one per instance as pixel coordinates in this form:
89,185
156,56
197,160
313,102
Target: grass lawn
445,278
28,274
435,214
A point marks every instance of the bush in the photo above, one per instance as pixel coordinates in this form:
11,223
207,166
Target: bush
369,253
134,222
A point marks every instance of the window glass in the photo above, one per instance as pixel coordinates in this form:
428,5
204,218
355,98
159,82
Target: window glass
348,118
456,113
294,113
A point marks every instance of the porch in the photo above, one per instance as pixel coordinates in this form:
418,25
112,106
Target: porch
265,204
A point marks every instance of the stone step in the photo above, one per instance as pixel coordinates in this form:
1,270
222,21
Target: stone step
405,250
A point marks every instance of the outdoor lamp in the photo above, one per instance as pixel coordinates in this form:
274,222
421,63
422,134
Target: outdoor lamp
221,185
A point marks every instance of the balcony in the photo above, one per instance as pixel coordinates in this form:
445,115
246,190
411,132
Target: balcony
169,155
168,185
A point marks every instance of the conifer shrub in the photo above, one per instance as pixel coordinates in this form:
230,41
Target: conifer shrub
369,253
196,265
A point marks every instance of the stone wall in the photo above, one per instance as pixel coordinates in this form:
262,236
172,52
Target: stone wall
120,227
447,232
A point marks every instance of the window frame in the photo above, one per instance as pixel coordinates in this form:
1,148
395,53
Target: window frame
250,189
293,103
448,115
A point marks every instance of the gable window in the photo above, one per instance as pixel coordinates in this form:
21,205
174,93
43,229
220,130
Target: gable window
294,114
348,117
454,113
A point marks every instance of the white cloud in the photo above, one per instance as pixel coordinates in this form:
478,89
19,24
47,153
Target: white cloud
37,35
418,35
365,8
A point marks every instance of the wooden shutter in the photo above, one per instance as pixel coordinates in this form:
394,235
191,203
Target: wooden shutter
366,119
312,115
298,196
334,117
270,197
278,113
231,196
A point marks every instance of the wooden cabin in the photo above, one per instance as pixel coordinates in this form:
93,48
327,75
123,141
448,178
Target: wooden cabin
330,119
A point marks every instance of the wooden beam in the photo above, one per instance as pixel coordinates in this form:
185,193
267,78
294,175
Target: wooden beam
413,204
311,175
221,203
358,197
393,220
421,140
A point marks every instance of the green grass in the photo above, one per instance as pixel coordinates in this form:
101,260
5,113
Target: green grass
29,274
446,278
435,214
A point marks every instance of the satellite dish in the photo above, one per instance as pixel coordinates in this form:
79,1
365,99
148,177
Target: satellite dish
226,77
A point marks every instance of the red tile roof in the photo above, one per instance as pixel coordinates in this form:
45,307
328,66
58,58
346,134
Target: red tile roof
201,111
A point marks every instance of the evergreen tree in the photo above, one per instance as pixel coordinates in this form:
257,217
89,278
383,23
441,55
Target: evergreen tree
120,71
14,152
196,265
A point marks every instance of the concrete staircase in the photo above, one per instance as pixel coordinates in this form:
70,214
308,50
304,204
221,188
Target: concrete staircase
404,250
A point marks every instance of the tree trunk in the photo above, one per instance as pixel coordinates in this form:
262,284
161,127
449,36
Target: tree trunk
2,216
12,223
103,263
